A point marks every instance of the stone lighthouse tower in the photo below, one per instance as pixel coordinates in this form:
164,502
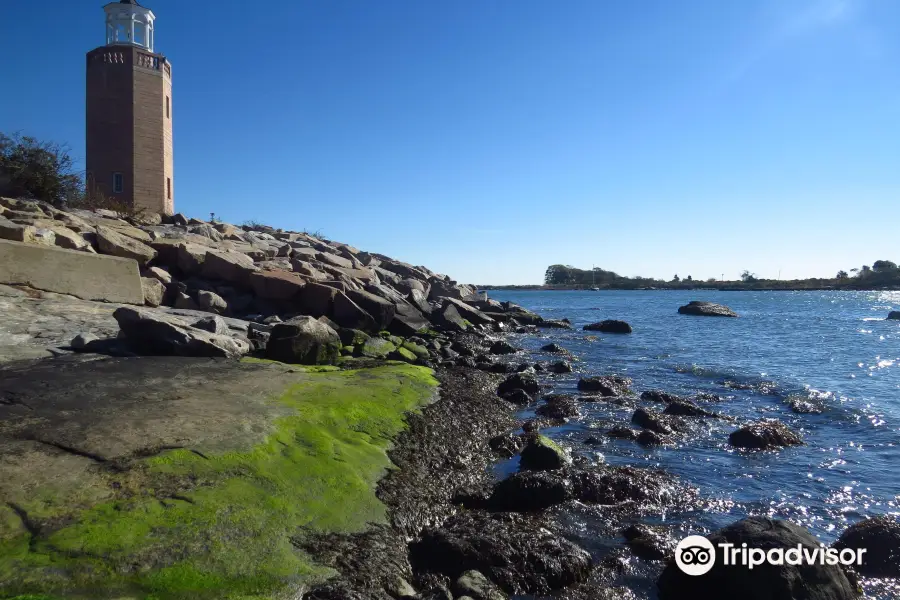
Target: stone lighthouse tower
129,113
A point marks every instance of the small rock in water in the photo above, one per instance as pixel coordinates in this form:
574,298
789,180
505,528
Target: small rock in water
651,543
553,349
560,367
622,433
685,408
609,326
517,396
767,434
805,405
503,347
520,381
659,396
650,420
706,309
558,407
542,454
894,315
609,385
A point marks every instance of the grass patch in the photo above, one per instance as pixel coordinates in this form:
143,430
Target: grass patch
226,526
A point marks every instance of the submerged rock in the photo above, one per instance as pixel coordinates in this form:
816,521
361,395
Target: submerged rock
706,309
686,408
609,326
554,349
650,543
621,432
659,396
766,434
558,406
764,582
880,537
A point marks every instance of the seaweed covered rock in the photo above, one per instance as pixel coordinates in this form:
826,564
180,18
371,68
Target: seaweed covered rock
530,491
304,340
542,454
880,537
706,309
767,434
520,553
763,582
559,407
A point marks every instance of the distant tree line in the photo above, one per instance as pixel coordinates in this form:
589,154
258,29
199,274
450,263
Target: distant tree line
882,274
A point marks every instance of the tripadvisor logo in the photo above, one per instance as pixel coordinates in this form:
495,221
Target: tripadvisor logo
696,555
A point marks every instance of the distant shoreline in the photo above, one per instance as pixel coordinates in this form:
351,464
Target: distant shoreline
722,288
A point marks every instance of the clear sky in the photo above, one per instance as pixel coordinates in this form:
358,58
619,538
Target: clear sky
488,139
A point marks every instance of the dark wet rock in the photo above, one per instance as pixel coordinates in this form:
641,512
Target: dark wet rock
538,367
303,340
880,537
524,368
593,441
650,438
507,445
766,434
608,385
466,361
474,585
530,427
650,543
609,326
659,396
530,491
809,582
558,407
559,367
707,397
560,324
542,454
500,367
651,420
621,432
503,347
517,396
646,488
554,349
685,408
894,315
520,381
518,552
706,309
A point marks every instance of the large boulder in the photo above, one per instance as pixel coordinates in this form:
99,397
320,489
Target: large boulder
449,319
316,299
765,581
519,553
154,333
233,267
408,320
348,313
154,291
303,340
609,326
468,312
276,285
381,310
880,538
112,242
766,434
706,309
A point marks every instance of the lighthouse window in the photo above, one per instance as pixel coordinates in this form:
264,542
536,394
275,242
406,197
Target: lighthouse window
118,183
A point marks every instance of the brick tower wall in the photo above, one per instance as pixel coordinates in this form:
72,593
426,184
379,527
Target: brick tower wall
129,126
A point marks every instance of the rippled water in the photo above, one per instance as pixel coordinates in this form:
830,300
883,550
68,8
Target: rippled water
832,351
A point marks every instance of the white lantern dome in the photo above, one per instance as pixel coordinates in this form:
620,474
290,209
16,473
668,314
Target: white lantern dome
129,23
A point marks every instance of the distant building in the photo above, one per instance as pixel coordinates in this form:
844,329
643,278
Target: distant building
129,113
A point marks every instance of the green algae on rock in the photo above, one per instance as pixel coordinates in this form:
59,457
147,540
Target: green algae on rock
210,498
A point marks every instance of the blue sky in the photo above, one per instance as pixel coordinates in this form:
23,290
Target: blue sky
488,139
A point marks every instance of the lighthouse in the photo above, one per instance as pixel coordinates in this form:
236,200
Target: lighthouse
129,113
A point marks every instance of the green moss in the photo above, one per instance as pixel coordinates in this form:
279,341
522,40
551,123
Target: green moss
404,355
227,526
419,351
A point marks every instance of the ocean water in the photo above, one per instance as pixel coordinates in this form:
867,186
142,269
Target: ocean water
832,354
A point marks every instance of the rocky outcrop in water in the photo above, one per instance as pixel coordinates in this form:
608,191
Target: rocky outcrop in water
810,582
767,434
609,326
880,538
894,315
706,309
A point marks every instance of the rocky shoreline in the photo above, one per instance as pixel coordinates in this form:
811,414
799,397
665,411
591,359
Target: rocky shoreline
252,367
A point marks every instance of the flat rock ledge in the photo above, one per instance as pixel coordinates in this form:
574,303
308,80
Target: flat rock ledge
706,309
